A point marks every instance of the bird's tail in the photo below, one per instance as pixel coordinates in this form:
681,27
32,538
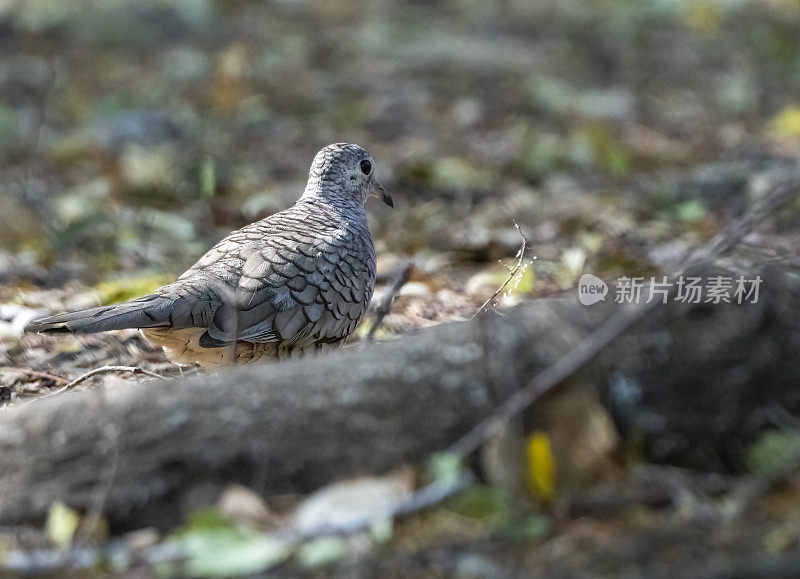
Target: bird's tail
146,312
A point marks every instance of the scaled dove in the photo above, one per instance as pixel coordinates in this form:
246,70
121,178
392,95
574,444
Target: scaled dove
298,280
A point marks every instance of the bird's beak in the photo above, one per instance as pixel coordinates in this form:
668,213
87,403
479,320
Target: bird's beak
377,190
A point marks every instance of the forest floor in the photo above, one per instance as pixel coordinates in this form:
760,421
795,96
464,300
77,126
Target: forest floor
617,135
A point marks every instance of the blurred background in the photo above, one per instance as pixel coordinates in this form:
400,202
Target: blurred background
135,134
617,133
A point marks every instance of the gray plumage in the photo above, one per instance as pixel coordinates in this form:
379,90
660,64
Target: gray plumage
300,279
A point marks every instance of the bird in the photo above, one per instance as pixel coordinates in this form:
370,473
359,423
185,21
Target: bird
297,281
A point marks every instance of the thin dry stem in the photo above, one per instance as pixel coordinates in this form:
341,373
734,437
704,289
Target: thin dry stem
386,303
511,275
104,370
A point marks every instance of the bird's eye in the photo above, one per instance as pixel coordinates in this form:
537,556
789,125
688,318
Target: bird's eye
366,167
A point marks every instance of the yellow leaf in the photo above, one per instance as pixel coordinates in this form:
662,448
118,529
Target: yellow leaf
523,283
541,467
61,524
121,290
704,16
787,122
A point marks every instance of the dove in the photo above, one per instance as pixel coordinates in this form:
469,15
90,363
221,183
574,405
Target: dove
297,281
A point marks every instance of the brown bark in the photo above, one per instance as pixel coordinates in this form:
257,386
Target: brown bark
689,380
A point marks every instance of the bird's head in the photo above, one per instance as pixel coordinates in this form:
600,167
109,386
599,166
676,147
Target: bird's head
347,170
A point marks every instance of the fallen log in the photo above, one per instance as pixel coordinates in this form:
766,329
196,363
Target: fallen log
691,381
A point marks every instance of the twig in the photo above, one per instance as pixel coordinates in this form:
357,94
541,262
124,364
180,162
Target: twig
781,194
386,303
103,370
45,376
514,271
615,326
434,493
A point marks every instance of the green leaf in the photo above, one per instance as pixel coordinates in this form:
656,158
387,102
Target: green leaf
773,453
218,552
458,174
490,505
691,211
208,177
215,546
445,467
322,551
381,530
206,519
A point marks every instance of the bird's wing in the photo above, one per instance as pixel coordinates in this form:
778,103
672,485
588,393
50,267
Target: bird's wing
298,289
